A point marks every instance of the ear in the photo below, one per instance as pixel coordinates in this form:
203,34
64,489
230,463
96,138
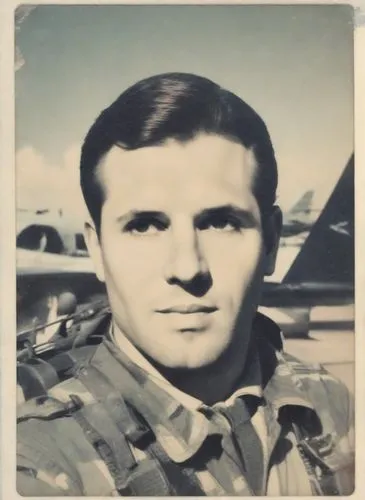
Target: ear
93,245
272,231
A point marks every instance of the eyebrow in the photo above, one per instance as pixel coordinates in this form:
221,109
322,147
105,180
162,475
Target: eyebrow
243,214
139,214
223,210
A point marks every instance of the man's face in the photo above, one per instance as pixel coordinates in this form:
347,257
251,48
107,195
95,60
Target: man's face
181,248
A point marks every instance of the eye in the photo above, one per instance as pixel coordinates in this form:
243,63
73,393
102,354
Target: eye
221,223
146,227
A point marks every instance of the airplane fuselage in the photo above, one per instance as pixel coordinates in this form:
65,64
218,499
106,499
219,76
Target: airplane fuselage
295,227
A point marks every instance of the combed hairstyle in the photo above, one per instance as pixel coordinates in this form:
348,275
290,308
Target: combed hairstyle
175,106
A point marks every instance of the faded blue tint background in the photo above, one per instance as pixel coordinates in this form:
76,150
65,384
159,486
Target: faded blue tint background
293,64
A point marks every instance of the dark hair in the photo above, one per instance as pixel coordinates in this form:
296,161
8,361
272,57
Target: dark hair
178,106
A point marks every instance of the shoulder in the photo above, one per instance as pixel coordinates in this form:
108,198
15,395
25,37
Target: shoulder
42,432
313,376
329,396
54,457
46,417
57,402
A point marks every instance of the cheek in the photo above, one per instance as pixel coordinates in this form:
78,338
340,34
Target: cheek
132,261
236,259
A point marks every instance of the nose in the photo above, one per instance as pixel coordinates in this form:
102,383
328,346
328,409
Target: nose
186,261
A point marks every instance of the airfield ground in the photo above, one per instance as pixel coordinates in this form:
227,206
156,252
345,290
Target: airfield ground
334,348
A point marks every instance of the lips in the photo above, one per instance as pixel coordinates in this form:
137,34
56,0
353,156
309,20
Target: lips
188,309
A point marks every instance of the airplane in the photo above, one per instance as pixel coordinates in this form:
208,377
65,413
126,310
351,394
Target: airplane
322,273
46,231
297,220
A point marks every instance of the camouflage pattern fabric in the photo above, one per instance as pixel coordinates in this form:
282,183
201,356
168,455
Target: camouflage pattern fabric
55,458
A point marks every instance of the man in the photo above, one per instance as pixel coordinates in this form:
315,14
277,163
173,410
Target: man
190,392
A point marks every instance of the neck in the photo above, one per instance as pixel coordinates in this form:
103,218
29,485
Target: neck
213,383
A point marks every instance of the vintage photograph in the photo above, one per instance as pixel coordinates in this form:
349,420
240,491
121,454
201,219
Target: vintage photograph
184,250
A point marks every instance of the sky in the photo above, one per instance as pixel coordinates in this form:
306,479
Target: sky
292,64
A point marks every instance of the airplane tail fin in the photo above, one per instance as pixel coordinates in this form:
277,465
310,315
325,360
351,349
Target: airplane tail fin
303,206
327,255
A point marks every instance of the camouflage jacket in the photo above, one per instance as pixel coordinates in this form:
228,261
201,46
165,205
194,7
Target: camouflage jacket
110,430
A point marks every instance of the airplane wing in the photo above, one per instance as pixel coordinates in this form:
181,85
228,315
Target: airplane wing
36,262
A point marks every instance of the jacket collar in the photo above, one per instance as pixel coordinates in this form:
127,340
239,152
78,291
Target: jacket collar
181,431
250,381
281,387
286,400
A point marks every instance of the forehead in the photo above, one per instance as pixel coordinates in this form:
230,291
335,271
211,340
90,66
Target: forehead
207,167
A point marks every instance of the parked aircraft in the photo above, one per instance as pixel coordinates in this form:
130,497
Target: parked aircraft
322,273
49,231
298,219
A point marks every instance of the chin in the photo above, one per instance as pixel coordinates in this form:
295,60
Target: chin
192,357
